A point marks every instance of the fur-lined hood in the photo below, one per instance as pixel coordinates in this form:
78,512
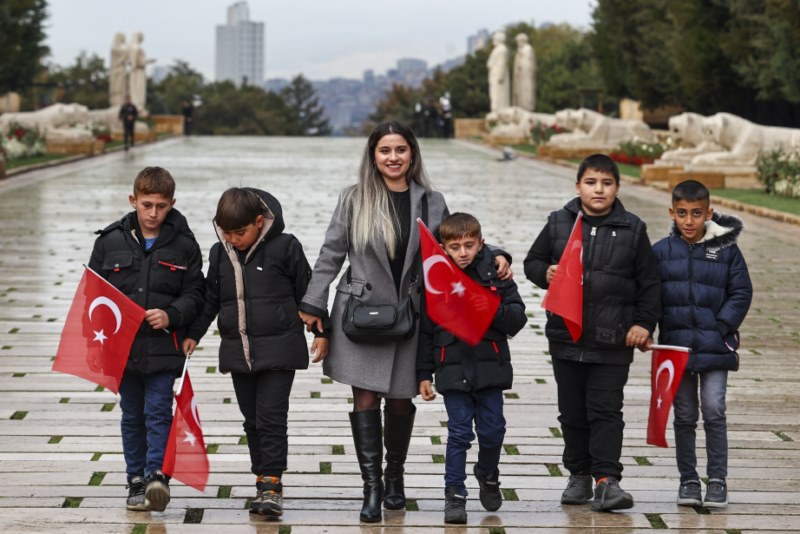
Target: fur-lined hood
721,231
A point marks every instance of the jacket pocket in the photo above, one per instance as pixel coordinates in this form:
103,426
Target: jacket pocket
118,269
167,271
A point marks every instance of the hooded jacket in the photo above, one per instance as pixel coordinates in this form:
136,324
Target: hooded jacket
169,277
706,293
620,283
459,366
256,296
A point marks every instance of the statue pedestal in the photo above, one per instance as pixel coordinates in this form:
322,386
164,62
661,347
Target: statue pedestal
70,148
710,179
564,152
168,124
503,140
469,128
99,147
2,168
657,173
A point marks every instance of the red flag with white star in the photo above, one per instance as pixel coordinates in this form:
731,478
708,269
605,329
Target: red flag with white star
98,333
454,301
666,373
564,297
185,458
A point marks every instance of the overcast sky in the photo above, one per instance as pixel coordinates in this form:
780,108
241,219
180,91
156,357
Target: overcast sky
318,38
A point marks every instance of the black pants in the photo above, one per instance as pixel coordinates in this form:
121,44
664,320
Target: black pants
130,138
590,398
263,399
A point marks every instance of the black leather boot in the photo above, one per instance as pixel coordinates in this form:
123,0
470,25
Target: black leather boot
366,427
396,436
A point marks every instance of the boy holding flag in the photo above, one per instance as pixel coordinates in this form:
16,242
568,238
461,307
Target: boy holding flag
618,302
706,293
469,358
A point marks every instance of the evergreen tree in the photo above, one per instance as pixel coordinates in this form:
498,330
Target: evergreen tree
306,115
84,82
21,38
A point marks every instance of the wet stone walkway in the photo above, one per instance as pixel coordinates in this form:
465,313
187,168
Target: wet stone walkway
61,465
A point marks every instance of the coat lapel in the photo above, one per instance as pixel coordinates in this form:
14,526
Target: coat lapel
413,239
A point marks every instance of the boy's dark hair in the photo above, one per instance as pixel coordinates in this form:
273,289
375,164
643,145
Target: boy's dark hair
690,191
238,207
598,162
154,181
458,225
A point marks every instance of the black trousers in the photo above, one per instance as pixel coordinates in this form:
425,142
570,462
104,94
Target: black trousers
590,398
263,399
129,127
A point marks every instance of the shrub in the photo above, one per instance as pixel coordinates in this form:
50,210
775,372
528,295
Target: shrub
541,132
639,151
779,171
21,142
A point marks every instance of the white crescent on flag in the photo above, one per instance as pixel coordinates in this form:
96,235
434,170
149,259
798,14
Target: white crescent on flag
668,366
426,266
111,305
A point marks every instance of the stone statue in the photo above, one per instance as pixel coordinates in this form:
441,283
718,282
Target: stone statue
595,130
118,75
524,84
497,64
687,129
515,123
55,122
138,77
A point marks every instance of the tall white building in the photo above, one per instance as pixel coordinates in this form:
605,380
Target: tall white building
240,48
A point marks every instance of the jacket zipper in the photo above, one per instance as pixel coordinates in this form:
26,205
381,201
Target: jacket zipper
587,262
692,316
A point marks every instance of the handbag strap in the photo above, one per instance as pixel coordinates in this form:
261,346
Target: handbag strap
417,257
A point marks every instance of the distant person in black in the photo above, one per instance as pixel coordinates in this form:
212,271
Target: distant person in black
128,114
187,109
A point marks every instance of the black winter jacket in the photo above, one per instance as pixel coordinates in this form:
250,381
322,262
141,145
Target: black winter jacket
459,366
169,277
257,299
620,283
706,293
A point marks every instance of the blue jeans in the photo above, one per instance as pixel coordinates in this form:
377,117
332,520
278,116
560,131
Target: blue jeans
485,408
146,403
713,385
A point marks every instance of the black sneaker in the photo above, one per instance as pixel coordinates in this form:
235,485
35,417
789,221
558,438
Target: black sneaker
716,493
609,496
136,494
455,506
269,497
578,490
490,495
689,493
156,495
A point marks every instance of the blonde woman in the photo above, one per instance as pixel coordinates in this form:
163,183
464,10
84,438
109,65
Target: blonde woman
373,227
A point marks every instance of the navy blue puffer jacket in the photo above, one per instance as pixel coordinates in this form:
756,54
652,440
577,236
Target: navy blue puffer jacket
705,293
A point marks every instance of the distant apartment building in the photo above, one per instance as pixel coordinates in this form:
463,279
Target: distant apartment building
478,41
240,48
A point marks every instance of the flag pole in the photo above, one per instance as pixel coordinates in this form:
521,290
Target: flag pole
183,375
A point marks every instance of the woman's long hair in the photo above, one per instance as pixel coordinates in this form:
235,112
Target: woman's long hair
369,209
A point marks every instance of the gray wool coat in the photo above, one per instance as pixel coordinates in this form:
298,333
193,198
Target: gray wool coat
388,368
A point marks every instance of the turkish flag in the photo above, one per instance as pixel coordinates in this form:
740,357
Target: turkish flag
454,301
665,377
98,333
564,297
185,458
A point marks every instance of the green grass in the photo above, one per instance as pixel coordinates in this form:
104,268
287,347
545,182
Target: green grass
139,528
411,505
554,470
324,468
511,450
655,521
18,416
194,516
337,450
758,197
212,448
72,502
24,162
55,439
436,440
97,478
224,492
530,149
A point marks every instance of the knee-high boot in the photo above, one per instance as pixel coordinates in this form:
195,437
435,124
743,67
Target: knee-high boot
396,436
366,427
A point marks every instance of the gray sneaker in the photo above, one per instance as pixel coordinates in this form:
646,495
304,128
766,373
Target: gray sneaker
578,491
609,496
156,494
269,497
716,493
455,507
689,493
136,494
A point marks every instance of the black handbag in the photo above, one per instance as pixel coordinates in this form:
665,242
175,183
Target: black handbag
382,323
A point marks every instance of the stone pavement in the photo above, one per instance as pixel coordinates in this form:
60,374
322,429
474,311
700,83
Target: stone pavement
60,456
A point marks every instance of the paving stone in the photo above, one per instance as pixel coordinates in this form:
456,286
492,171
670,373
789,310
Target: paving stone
47,456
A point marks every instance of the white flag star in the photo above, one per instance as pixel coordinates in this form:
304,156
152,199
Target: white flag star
658,401
99,336
458,289
190,438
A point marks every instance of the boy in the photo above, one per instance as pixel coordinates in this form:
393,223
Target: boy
151,255
257,275
621,306
706,293
471,379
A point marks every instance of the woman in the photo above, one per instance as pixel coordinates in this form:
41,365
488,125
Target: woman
372,226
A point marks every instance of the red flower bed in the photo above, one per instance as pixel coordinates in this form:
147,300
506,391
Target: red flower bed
621,157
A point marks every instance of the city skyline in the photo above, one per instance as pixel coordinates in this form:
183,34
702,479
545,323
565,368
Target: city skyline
320,40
